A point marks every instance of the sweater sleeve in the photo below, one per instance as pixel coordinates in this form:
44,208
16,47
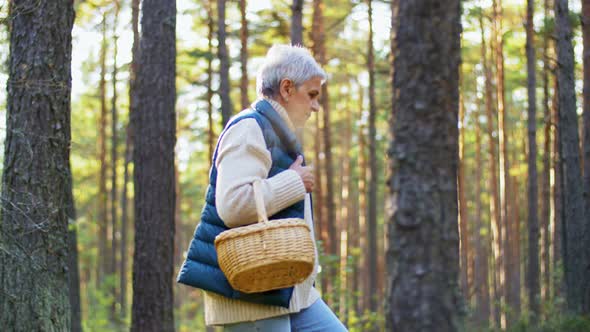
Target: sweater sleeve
242,159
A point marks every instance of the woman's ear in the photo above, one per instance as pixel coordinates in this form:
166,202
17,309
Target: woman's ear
286,88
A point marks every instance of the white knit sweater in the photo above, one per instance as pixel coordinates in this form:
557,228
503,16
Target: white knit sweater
243,158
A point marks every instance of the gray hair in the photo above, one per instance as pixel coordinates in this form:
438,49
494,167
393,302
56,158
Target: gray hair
286,62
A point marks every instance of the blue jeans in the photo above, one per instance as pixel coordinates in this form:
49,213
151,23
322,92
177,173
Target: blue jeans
317,318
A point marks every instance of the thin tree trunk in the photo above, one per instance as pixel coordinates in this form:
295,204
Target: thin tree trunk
423,259
153,157
558,261
36,180
482,289
495,220
73,269
344,220
102,267
210,32
114,139
574,245
463,217
128,155
359,222
297,22
330,215
244,57
224,82
586,116
373,175
533,223
545,175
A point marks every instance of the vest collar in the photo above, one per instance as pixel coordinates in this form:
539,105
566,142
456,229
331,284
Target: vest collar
286,135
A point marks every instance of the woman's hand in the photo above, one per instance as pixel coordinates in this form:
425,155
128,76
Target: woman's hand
305,172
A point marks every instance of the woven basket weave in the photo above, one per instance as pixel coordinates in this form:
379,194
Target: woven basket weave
267,255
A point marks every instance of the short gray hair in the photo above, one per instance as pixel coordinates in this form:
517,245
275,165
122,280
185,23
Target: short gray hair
286,62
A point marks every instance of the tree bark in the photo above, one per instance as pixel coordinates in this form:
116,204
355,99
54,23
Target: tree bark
463,217
545,175
73,269
495,222
373,175
244,57
103,262
297,22
481,240
319,50
153,157
423,257
210,28
36,180
128,155
114,139
586,116
224,82
558,283
574,242
533,286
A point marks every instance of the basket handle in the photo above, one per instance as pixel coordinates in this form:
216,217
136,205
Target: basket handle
260,208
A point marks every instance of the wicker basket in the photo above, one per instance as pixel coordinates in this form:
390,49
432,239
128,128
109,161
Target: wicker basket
267,255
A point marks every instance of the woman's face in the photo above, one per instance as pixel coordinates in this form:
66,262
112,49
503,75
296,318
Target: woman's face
302,101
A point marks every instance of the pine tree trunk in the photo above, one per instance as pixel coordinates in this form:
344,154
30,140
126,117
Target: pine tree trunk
481,239
224,82
574,243
297,22
153,157
463,217
244,57
373,175
586,131
423,259
533,223
344,219
128,155
36,180
102,267
114,139
545,175
73,269
210,32
558,283
496,224
319,50
358,224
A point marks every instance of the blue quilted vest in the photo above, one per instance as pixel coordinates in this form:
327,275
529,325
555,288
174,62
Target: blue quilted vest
201,268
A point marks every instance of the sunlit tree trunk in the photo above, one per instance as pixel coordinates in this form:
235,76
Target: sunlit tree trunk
574,241
481,240
495,221
545,175
128,156
423,257
319,49
36,192
153,158
533,286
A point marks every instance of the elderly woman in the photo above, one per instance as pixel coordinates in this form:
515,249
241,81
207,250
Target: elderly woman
260,144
